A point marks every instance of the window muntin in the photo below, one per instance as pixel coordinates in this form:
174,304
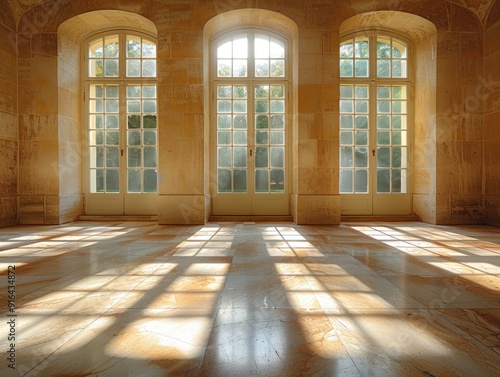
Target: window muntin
373,114
122,114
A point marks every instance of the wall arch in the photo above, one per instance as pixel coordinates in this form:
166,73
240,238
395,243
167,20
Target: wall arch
246,18
423,36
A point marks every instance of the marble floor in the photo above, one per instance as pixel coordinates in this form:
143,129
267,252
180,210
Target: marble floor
245,299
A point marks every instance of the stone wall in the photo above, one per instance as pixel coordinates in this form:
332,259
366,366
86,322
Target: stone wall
9,132
450,178
491,95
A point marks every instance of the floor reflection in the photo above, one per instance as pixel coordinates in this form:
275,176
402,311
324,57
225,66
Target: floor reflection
242,299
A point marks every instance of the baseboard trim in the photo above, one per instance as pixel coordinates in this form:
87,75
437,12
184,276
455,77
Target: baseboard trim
255,219
118,218
378,218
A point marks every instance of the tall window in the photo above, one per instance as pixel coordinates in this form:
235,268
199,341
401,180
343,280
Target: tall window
250,83
374,95
121,105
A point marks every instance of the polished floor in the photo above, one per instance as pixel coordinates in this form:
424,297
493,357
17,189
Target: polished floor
245,299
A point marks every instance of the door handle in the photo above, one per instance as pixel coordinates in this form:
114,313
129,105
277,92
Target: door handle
251,151
373,152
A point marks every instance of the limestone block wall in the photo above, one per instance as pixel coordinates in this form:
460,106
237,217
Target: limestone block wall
459,128
424,137
9,133
491,95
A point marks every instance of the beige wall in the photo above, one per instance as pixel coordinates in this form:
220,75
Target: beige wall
9,132
449,179
491,96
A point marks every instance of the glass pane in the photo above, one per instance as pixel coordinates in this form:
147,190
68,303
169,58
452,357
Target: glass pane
134,158
346,138
240,157
134,180
96,68
134,138
133,68
112,121
396,180
112,138
148,49
396,157
262,157
240,68
277,180
277,137
383,138
224,181
240,121
361,106
95,48
346,157
134,121
111,91
133,47
361,181
362,122
277,121
262,121
149,68
240,137
150,157
133,106
112,157
277,157
225,50
112,181
224,121
277,68
239,106
383,68
383,121
361,156
240,91
111,68
224,68
240,47
346,50
112,106
346,121
134,91
224,92
262,46
277,106
361,47
261,181
223,137
224,157
361,92
277,49
150,180
346,181
361,68
111,48
383,47
346,106
346,68
223,106
383,180
262,91
149,106
97,181
240,180
384,92
383,157
361,138
346,92
261,68
99,157
261,137
149,137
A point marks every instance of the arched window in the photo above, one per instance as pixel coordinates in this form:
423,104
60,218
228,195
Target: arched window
374,120
250,84
121,114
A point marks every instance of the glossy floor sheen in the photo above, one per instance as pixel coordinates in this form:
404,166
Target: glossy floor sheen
244,299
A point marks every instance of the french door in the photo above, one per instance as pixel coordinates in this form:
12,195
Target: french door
121,125
374,146
375,120
249,124
250,150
